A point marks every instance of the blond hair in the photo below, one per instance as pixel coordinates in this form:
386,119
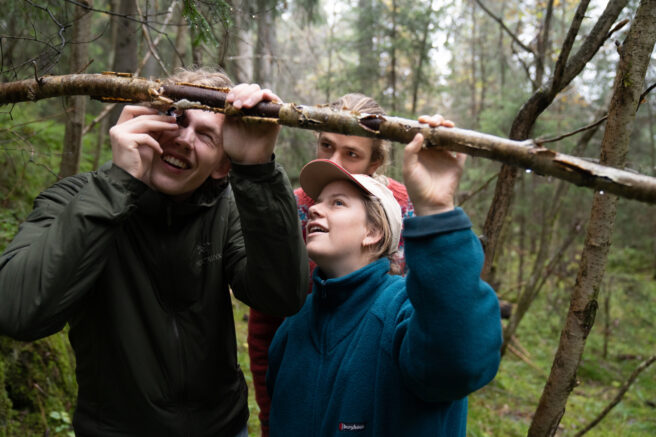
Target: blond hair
356,102
215,78
377,219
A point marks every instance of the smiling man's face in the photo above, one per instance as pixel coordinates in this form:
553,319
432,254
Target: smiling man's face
191,154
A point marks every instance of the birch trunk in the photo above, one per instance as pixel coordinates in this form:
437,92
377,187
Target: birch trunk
635,55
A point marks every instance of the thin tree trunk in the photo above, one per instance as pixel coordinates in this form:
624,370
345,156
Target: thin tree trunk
543,45
635,55
653,173
72,150
501,57
331,50
367,72
566,69
181,37
522,241
264,44
393,57
529,290
100,142
473,112
126,48
423,54
237,44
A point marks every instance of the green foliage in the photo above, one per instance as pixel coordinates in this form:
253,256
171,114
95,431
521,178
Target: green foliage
31,151
630,260
200,20
62,423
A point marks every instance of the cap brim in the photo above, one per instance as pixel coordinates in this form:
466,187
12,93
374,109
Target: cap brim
316,174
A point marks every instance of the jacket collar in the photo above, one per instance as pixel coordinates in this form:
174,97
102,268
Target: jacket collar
207,195
339,304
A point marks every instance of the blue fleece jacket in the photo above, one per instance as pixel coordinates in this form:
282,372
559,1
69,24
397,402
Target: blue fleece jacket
371,354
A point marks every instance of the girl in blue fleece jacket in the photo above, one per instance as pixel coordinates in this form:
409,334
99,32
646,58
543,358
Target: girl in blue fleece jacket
371,354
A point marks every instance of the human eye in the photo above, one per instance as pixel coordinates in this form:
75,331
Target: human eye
338,202
352,154
181,119
325,145
206,137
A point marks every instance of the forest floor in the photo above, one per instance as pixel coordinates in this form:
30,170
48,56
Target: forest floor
505,406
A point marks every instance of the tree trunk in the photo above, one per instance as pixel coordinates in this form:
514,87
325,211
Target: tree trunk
566,69
236,45
423,55
76,107
126,49
635,55
367,70
263,56
543,45
529,290
150,68
653,173
100,142
473,112
392,78
181,40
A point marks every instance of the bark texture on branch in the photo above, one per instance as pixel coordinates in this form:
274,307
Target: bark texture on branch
528,154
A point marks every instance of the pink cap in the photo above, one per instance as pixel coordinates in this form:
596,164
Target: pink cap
316,174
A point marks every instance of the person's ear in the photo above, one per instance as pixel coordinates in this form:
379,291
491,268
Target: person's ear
221,169
374,235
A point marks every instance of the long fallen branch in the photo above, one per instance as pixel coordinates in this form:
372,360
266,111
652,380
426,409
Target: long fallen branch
529,154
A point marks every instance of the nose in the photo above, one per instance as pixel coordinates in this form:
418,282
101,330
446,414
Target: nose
315,211
185,138
336,158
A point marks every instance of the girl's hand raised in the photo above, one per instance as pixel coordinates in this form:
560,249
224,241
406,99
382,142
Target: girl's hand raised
432,175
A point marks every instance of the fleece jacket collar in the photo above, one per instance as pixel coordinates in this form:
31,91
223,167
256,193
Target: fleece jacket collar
340,303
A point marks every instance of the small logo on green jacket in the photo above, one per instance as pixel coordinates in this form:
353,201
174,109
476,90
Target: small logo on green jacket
203,254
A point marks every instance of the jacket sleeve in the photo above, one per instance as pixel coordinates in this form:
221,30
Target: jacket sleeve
60,249
448,336
273,276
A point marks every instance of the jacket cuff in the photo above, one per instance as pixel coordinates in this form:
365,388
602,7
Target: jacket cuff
422,226
254,171
123,180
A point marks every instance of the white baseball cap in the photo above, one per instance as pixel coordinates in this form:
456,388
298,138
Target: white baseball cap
316,174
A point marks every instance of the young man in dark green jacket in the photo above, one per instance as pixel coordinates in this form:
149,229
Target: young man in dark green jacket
138,258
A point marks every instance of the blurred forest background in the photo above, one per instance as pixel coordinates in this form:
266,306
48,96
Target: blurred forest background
515,69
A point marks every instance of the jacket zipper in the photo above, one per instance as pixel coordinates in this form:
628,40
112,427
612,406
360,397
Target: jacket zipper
183,367
322,353
183,378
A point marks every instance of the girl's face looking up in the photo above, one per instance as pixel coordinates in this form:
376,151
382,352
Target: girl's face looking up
350,152
338,233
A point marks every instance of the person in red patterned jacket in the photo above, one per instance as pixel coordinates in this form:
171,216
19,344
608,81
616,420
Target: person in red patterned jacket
358,155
